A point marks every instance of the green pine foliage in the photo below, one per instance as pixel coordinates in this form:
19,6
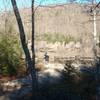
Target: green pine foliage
52,38
9,53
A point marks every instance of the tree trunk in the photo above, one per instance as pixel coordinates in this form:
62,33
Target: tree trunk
33,33
33,49
30,62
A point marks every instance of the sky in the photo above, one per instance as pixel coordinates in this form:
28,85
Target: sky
27,3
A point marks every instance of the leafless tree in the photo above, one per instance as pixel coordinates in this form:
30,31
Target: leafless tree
30,61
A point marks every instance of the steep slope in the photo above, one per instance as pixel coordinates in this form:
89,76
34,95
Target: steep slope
63,19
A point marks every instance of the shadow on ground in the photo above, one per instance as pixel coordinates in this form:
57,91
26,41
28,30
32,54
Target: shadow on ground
74,84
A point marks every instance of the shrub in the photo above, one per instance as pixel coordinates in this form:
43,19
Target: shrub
52,38
9,54
81,82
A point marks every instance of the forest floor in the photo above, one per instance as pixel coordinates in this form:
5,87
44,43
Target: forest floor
50,83
50,75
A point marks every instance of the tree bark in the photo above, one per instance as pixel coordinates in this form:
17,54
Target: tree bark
33,49
30,61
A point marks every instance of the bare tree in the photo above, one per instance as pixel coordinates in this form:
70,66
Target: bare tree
32,10
35,85
30,61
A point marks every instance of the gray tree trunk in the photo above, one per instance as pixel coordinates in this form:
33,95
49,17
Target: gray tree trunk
30,62
33,39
